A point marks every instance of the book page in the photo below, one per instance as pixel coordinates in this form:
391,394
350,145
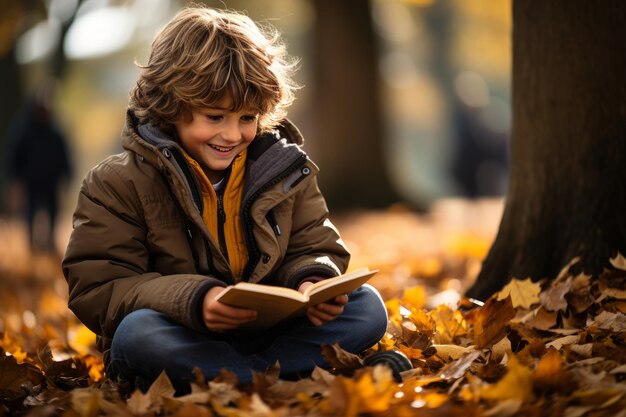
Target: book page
271,304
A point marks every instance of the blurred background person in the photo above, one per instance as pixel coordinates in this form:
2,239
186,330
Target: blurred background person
37,165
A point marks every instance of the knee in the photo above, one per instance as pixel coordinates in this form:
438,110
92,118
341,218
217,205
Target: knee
369,314
136,331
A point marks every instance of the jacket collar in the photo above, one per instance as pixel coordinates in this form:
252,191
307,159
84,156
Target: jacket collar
270,155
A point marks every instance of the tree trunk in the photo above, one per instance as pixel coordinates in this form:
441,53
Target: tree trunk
349,136
567,192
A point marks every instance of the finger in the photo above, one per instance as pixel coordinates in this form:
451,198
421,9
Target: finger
332,309
314,320
340,300
219,327
235,313
321,315
213,319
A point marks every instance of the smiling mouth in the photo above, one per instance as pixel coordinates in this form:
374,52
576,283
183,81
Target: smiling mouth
222,148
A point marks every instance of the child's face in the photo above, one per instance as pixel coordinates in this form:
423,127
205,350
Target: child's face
216,135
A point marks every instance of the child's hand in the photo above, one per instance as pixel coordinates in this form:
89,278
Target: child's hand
218,316
324,312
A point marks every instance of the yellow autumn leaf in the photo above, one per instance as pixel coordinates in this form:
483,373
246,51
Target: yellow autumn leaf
448,324
19,355
549,372
516,384
523,293
81,339
393,309
414,297
371,392
422,321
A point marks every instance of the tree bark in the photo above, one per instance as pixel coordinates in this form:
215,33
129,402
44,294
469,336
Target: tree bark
567,192
348,122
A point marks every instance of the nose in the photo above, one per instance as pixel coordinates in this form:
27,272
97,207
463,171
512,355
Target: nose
232,131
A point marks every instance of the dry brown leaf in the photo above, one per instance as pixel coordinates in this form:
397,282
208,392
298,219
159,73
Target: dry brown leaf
490,321
563,341
619,369
341,359
615,322
540,319
585,350
619,261
580,298
17,380
553,299
189,409
223,393
457,369
524,293
139,403
451,352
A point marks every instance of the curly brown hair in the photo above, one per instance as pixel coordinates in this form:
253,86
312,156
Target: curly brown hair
204,55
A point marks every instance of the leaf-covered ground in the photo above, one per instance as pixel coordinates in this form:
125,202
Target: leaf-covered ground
531,350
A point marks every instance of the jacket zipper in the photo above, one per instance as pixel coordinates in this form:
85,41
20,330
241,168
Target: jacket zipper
271,219
221,220
199,203
254,259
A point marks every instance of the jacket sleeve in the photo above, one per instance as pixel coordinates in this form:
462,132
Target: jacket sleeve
315,247
107,261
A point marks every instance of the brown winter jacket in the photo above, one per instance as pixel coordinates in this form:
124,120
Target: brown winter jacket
139,240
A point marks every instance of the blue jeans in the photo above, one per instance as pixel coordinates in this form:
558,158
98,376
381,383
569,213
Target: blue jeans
148,342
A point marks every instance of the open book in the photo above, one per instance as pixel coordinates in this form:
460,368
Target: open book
275,304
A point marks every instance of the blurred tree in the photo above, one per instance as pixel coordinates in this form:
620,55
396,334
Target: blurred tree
567,196
349,128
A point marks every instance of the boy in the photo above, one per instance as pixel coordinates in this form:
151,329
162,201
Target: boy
212,188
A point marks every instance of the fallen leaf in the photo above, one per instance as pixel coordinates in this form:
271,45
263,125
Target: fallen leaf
449,325
523,293
516,384
17,380
553,299
579,297
541,319
490,321
619,261
619,369
139,403
505,408
550,375
615,322
223,393
456,369
563,341
340,359
369,392
585,350
452,352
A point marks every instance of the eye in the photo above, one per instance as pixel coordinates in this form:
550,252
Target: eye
249,118
214,117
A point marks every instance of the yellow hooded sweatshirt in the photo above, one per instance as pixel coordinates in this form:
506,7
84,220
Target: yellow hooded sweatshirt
232,196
